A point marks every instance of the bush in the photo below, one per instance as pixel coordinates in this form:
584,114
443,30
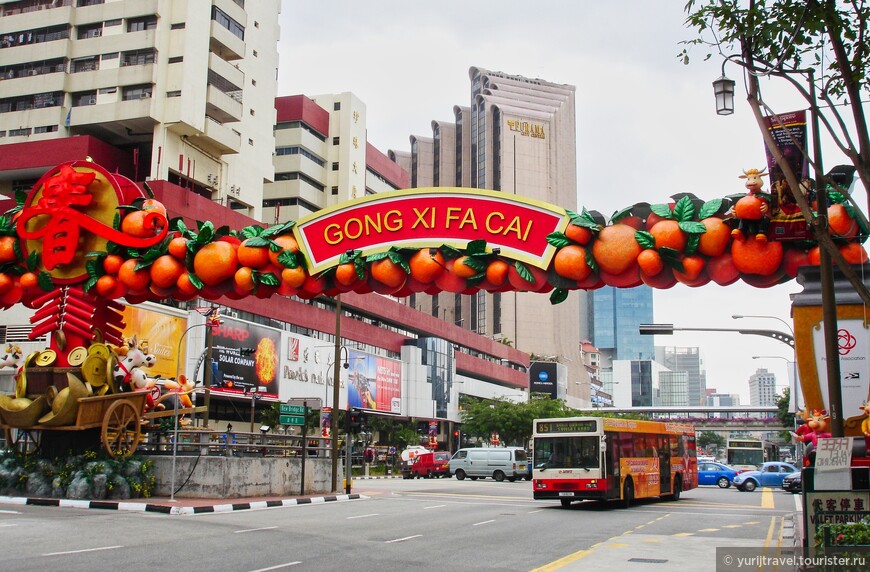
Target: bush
88,476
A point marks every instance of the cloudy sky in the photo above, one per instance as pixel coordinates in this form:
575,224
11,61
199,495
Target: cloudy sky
646,123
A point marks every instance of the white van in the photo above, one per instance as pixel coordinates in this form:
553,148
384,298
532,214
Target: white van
500,463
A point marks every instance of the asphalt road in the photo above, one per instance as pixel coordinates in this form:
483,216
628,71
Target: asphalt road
421,525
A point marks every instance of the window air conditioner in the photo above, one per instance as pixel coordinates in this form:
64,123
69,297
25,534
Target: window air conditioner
92,101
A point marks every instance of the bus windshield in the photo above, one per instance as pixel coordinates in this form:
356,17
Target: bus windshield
745,457
567,452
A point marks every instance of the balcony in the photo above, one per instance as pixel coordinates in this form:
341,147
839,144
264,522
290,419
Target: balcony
226,70
225,44
221,106
222,138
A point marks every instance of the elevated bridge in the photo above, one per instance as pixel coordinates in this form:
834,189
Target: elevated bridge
735,418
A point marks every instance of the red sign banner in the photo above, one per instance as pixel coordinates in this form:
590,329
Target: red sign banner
431,217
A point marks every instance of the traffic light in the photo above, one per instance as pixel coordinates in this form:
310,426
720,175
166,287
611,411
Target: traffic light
355,420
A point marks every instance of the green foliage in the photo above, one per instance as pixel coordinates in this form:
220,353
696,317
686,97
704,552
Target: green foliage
710,440
784,415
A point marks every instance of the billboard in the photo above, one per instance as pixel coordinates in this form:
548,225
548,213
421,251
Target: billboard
543,376
374,383
163,333
245,357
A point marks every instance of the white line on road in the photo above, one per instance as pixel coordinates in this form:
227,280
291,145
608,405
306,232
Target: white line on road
434,506
254,529
798,504
363,516
534,511
84,550
402,539
7,525
10,512
484,522
276,567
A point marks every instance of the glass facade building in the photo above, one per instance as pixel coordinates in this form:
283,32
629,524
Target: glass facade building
614,317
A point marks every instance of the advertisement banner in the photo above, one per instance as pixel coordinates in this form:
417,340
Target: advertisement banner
853,346
789,131
374,383
245,357
306,369
543,376
162,332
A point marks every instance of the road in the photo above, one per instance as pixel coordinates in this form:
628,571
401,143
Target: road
421,525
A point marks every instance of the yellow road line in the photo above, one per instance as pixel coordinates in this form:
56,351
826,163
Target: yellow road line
767,498
556,564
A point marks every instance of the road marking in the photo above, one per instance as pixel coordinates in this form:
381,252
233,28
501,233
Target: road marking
534,511
767,498
484,522
564,561
402,539
639,526
616,545
752,522
653,539
277,566
798,504
362,516
254,529
84,550
7,525
9,512
434,506
684,534
709,530
731,525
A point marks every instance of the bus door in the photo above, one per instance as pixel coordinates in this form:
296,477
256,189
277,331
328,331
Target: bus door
610,469
664,464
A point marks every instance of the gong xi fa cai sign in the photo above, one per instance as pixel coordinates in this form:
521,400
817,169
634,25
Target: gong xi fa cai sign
431,217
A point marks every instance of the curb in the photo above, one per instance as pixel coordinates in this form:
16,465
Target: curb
174,510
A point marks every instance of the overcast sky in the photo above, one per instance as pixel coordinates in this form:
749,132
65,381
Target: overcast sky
646,123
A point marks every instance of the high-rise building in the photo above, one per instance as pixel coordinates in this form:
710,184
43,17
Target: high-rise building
180,91
762,388
690,361
516,136
613,317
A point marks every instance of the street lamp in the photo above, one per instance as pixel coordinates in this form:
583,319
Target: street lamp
723,89
669,329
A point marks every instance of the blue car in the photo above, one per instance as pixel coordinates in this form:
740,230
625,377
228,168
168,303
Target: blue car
770,474
710,473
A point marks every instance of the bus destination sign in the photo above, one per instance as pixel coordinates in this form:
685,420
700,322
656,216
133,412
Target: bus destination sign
585,426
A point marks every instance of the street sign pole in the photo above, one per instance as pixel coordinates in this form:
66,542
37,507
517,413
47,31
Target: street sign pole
304,446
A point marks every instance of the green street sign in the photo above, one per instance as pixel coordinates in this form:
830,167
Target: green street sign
291,419
291,409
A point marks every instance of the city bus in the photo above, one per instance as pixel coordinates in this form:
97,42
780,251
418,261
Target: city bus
600,458
747,454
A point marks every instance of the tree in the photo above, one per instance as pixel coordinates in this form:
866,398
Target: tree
784,415
825,40
710,441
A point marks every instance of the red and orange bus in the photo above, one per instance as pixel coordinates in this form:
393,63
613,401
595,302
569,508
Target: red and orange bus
600,458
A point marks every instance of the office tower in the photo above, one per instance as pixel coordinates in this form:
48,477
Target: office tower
762,388
690,361
614,315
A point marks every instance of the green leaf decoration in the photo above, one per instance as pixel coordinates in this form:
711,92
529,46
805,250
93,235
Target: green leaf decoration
268,279
194,279
189,256
32,260
400,260
345,257
179,225
16,248
144,263
6,226
586,219
258,241
663,211
476,264
89,284
476,247
710,208
449,252
95,254
116,221
524,272
360,267
279,229
590,260
91,268
21,197
44,280
621,214
475,280
692,227
645,239
153,254
377,256
692,243
288,259
558,239
205,234
558,296
222,231
684,210
672,258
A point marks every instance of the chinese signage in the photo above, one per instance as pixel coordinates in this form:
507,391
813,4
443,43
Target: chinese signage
430,218
789,131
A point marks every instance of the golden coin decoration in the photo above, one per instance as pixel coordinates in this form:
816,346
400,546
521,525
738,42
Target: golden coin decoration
99,349
21,384
94,370
60,339
46,358
77,356
30,360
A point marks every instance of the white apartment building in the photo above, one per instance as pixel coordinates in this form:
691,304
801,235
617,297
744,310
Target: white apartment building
762,388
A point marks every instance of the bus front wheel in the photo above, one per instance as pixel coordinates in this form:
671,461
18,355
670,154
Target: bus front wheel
678,488
627,493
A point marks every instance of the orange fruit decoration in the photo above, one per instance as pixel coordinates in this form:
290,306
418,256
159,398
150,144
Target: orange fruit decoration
756,257
570,262
652,219
841,223
153,205
627,279
450,281
216,262
345,274
112,263
520,284
721,269
497,272
650,262
668,233
461,269
661,281
254,256
136,281
7,249
579,234
28,280
243,279
6,283
616,249
426,265
165,271
814,256
286,242
693,266
715,240
178,247
105,285
854,253
388,273
134,225
294,277
749,207
11,296
185,286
